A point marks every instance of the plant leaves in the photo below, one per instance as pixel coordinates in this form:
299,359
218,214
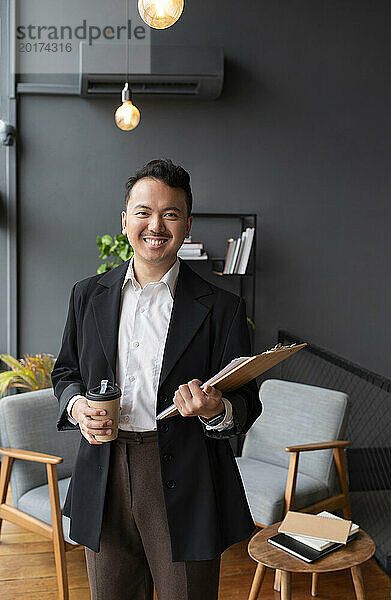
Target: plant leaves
10,361
32,373
110,249
6,378
107,239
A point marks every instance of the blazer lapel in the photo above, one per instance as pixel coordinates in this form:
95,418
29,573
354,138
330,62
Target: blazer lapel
189,311
106,307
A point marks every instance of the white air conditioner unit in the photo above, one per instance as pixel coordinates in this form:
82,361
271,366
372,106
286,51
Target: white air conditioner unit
176,71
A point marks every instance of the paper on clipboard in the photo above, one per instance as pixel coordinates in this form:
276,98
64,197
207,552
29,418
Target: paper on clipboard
242,370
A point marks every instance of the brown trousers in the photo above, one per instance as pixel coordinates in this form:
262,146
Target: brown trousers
135,550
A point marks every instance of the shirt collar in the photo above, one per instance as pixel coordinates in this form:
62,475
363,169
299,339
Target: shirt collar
169,279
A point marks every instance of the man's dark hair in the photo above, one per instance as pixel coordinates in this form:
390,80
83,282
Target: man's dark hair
163,169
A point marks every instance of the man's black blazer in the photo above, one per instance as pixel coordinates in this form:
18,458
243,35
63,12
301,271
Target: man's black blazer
205,500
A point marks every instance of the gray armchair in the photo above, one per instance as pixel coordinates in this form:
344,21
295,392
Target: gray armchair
303,421
31,441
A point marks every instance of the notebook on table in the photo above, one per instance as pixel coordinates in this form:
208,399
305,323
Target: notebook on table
309,537
318,543
302,551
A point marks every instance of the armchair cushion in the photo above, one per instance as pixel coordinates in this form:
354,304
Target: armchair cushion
265,488
36,502
296,413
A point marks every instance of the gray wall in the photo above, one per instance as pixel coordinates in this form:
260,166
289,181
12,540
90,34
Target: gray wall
300,136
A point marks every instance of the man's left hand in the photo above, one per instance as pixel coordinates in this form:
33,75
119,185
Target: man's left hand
191,401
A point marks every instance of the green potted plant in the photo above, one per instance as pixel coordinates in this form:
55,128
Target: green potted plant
28,374
117,249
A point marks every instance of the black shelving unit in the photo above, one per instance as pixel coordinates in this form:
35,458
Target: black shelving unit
214,229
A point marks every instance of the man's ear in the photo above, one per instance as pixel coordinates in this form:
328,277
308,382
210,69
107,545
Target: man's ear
188,225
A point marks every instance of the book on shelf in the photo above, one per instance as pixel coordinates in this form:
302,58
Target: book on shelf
192,257
192,250
228,256
235,253
232,251
319,543
192,245
238,253
241,250
247,241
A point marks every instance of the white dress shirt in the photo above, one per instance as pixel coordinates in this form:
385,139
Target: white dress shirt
143,325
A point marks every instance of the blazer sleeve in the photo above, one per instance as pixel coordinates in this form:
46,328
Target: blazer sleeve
66,378
246,405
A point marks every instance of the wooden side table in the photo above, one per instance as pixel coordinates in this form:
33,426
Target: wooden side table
362,548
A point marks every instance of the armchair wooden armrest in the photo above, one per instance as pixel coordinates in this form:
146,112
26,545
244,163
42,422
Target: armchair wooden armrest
318,446
338,501
30,455
53,531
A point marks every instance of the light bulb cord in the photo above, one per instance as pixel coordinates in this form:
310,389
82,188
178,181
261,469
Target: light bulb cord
127,41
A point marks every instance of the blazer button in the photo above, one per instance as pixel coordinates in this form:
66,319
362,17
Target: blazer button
164,427
171,484
167,457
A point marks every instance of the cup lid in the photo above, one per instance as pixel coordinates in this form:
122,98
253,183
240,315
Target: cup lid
112,392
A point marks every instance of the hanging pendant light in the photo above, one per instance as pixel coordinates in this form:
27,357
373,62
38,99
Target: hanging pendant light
160,14
127,116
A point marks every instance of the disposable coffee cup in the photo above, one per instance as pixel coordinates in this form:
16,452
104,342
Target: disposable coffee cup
106,397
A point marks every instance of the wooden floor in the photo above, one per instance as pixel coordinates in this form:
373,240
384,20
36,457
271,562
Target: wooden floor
27,571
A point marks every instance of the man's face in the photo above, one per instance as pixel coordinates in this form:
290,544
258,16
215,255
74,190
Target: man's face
156,221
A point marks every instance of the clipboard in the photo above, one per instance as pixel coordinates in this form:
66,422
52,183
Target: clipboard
242,370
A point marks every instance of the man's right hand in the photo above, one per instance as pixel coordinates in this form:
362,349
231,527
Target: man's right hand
89,426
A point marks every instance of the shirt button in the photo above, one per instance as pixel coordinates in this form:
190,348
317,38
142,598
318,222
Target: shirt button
171,484
124,419
136,344
142,309
167,457
132,378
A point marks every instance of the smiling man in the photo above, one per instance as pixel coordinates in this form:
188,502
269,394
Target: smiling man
156,221
161,502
